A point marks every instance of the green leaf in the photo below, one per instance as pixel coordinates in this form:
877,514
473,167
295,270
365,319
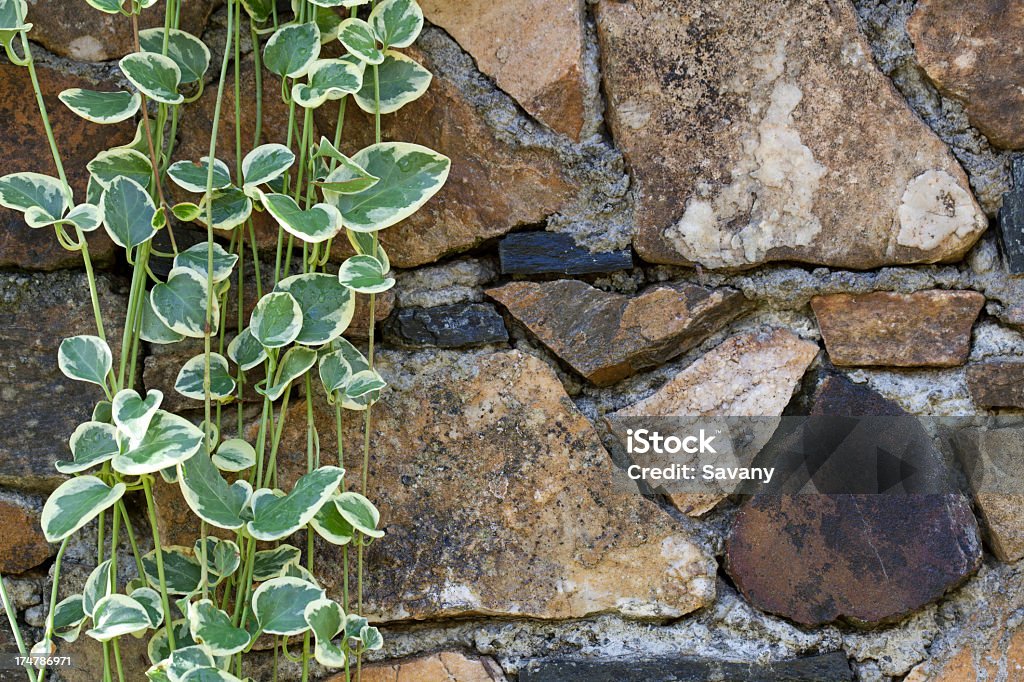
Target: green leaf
234,454
169,440
266,163
292,50
97,586
397,23
116,615
316,224
12,20
326,619
332,526
155,75
230,207
196,257
180,303
192,177
295,363
192,376
128,213
158,650
348,177
153,328
209,674
280,605
149,599
85,358
75,503
222,556
245,351
85,217
329,79
335,372
327,306
410,176
188,52
275,518
269,563
259,10
103,412
108,6
132,414
186,211
23,191
209,496
362,390
363,243
182,571
359,39
364,274
212,627
186,660
360,512
92,443
402,80
101,107
68,617
371,638
276,320
117,163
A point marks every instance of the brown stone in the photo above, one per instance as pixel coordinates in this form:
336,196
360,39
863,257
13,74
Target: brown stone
446,666
75,30
753,374
539,63
817,558
923,329
496,496
607,337
23,546
969,50
26,149
750,142
997,383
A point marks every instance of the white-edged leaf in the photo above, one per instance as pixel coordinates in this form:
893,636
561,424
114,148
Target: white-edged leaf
85,217
85,358
397,23
192,177
266,163
326,619
410,176
209,496
275,517
97,586
222,556
268,563
153,328
292,50
187,51
107,6
212,628
245,351
280,604
371,638
359,39
132,414
259,10
360,512
13,15
101,107
317,224
192,376
362,390
182,571
155,75
149,599
128,212
169,440
180,303
347,177
92,443
68,617
230,208
294,364
196,257
329,79
327,306
23,191
335,372
159,651
117,163
187,660
401,79
234,454
276,320
116,615
364,274
75,503
209,674
332,526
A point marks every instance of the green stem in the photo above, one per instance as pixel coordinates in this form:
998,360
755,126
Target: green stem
147,487
54,591
12,618
131,538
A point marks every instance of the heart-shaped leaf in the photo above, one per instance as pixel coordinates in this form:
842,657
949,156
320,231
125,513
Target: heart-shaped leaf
23,191
364,274
97,586
192,177
153,328
401,80
234,454
158,650
169,440
85,217
259,10
365,245
188,52
362,390
132,414
150,600
335,372
280,605
275,517
292,50
276,320
92,443
117,163
245,351
329,79
266,163
182,571
128,213
397,23
75,503
102,107
12,20
186,661
222,556
180,303
294,364
348,177
230,208
327,306
359,39
371,638
192,376
268,563
332,526
317,224
155,75
108,6
212,628
196,257
410,176
116,615
209,496
326,619
68,617
85,358
360,512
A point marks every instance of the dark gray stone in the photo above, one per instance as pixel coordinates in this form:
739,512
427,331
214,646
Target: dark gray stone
541,253
1011,221
446,326
831,667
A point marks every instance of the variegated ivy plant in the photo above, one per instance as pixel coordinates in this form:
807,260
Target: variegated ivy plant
203,607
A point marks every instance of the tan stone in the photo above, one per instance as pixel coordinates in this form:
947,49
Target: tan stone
446,666
997,383
970,51
539,63
607,337
23,545
750,142
923,329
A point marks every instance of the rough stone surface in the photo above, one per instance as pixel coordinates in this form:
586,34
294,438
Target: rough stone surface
969,50
25,149
447,326
540,63
42,406
997,383
831,667
459,281
607,337
23,546
1011,222
730,119
509,486
542,253
447,666
753,374
923,329
817,558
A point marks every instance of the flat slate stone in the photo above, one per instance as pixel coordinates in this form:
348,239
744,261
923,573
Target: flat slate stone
828,667
923,329
446,326
542,253
1011,221
997,383
867,559
606,336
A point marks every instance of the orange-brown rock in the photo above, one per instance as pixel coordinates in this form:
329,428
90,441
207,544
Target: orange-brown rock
997,383
923,329
23,545
539,63
446,666
607,337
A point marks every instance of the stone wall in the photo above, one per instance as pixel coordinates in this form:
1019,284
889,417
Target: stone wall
724,207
